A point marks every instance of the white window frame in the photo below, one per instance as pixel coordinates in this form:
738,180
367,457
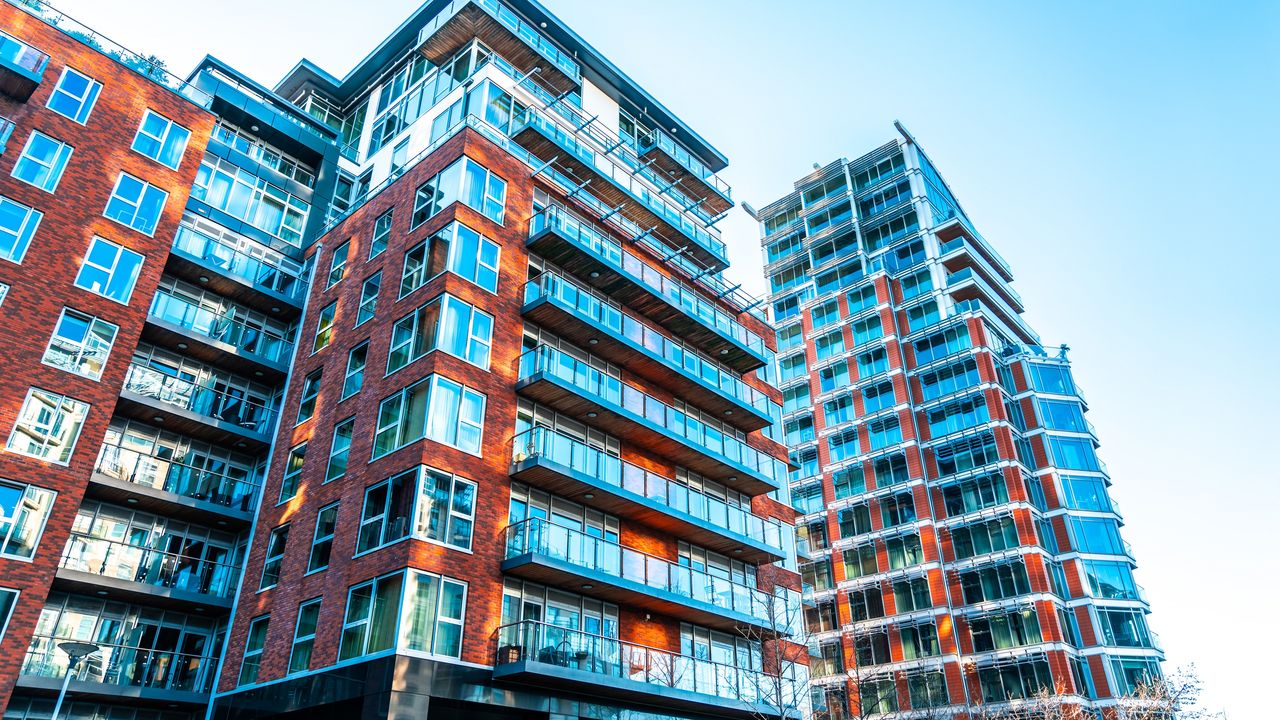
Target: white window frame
334,451
121,252
86,102
322,327
265,620
162,140
62,156
268,558
432,383
291,479
297,624
59,412
309,394
367,300
26,502
24,232
15,596
338,264
81,349
349,373
317,538
145,191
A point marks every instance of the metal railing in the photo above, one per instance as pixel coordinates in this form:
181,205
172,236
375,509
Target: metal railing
238,263
124,665
558,448
21,55
630,400
148,566
659,139
518,27
227,487
611,658
219,405
261,342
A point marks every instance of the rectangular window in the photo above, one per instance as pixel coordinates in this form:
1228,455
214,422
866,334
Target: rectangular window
74,95
161,139
8,600
372,617
434,625
48,426
994,582
447,324
136,203
431,504
984,537
434,408
872,362
245,196
878,397
464,181
23,512
255,642
883,433
310,392
975,494
369,298
904,551
80,344
1071,453
18,224
338,264
340,450
324,327
304,636
381,234
456,248
42,161
292,473
353,380
829,345
911,595
919,641
275,556
109,270
322,539
843,445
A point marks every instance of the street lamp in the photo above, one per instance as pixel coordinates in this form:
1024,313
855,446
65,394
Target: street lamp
76,651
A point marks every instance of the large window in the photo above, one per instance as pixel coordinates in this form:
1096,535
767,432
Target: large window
1014,680
48,426
18,224
1085,492
381,234
446,323
1095,535
1073,453
23,512
255,642
338,264
435,408
995,582
984,537
42,161
455,248
340,450
275,556
324,327
1062,415
975,494
292,473
322,539
161,139
1111,580
430,504
80,344
109,270
74,95
310,394
1005,630
136,203
369,298
247,197
353,379
304,636
426,610
8,600
467,182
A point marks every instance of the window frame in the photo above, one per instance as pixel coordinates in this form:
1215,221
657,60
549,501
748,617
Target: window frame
86,102
274,561
24,233
325,322
121,252
309,639
143,200
162,141
91,322
326,540
254,649
291,479
55,168
349,424
349,373
60,402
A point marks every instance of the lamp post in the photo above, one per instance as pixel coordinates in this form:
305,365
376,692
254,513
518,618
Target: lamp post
76,651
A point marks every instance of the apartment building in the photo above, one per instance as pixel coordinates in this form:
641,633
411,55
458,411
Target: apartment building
960,551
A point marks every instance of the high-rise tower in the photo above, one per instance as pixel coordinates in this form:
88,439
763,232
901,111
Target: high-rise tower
959,548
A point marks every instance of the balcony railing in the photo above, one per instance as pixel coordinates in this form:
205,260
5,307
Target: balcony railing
612,660
581,302
512,22
660,140
123,665
560,449
636,405
148,566
237,263
226,486
258,342
218,405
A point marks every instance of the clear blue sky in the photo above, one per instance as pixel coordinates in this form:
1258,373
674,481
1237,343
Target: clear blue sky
1122,156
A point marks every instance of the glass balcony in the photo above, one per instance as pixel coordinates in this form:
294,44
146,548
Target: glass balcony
687,313
124,666
502,29
147,566
258,342
603,665
552,377
660,145
580,316
216,481
965,284
544,551
562,464
21,67
223,409
276,279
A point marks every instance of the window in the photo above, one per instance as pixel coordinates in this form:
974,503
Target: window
854,520
995,582
957,415
304,636
435,408
322,539
891,470
255,642
872,648
136,203
843,445
433,622
74,95
864,331
447,324
825,314
80,344
984,537
877,397
898,509
247,197
942,344
161,139
1014,680
866,603
919,641
886,432
848,481
18,224
950,379
369,298
353,380
23,512
431,504
464,181
975,494
456,248
1095,535
792,367
829,345
1005,630
340,450
1071,453
904,551
927,689
872,362
1111,580
837,411
324,327
966,453
42,161
911,595
8,600
1081,492
48,426
1062,415
381,234
373,612
860,561
275,556
338,264
1124,628
109,270
310,392
1055,379
292,473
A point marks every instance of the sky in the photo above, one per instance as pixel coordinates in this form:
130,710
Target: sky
1113,152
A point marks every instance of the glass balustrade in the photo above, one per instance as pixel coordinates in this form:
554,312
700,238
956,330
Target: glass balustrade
256,340
17,54
512,22
237,263
216,482
667,144
149,566
230,406
546,444
124,665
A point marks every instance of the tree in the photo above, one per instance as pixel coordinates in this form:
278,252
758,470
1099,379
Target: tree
1176,697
